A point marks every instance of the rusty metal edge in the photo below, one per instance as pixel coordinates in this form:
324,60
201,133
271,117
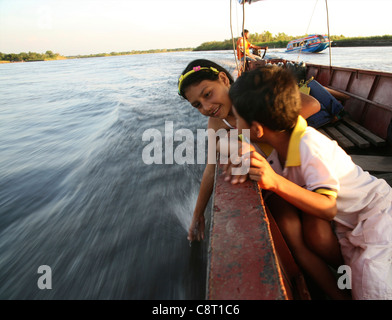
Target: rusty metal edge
277,268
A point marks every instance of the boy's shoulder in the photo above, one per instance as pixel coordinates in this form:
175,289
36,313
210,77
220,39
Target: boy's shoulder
314,139
315,146
307,142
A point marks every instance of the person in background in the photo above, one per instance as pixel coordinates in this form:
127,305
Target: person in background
241,48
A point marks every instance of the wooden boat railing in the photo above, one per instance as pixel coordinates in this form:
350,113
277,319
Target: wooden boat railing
248,258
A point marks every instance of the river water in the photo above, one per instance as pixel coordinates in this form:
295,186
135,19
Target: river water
76,194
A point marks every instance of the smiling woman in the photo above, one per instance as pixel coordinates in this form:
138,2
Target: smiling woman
205,85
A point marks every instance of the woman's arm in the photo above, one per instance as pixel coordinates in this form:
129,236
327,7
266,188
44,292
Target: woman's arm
310,105
196,229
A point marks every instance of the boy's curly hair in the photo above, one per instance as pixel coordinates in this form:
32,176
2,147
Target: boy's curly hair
268,95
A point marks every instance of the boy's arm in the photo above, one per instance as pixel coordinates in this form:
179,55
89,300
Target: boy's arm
319,205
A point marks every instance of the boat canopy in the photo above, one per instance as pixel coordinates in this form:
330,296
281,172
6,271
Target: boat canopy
248,1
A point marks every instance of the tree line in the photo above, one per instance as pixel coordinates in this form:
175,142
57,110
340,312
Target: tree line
126,53
266,38
281,40
29,56
49,55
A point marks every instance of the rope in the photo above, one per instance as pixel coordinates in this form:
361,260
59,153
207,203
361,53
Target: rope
243,35
243,32
329,38
232,38
307,29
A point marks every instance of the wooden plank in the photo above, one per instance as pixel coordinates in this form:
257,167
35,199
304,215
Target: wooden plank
242,262
373,163
374,139
382,106
342,140
354,137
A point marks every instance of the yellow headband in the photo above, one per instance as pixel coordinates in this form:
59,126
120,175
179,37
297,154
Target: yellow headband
195,69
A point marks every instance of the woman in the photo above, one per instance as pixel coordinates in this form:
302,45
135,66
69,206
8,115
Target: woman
206,85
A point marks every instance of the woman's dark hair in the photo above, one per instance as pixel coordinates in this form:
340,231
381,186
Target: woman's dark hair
268,95
200,75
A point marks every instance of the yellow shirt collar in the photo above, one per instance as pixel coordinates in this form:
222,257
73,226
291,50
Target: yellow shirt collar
293,154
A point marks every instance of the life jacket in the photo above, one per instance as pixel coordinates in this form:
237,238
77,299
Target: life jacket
240,54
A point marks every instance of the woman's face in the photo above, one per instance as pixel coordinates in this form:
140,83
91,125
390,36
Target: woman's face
211,98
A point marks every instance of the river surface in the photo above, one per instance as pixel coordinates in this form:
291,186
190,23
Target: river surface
76,193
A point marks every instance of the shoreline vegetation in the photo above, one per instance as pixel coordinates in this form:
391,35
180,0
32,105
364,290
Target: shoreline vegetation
281,40
265,39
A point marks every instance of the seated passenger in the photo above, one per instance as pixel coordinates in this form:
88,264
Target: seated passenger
248,45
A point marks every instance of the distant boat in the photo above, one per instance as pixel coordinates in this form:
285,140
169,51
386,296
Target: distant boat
311,43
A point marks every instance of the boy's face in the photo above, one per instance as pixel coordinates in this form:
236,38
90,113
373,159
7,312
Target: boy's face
242,124
211,98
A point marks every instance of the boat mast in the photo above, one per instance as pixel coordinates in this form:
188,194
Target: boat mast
329,38
243,32
232,36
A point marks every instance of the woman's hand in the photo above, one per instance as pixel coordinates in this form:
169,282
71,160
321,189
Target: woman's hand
196,229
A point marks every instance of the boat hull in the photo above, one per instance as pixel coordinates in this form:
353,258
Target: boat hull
311,48
311,44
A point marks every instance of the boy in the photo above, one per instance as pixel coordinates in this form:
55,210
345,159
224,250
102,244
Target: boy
318,177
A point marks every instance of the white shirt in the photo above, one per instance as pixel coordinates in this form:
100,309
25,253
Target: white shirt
318,164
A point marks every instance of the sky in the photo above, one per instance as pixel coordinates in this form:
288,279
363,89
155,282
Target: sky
72,27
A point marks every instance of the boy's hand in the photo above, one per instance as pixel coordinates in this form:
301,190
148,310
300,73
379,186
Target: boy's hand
261,171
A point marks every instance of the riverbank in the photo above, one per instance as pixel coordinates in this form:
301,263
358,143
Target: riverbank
37,60
128,53
337,41
363,43
30,57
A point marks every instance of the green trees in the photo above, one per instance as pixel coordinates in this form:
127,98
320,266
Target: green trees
30,56
265,38
281,39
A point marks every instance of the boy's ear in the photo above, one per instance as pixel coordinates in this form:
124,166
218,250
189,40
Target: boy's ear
257,129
